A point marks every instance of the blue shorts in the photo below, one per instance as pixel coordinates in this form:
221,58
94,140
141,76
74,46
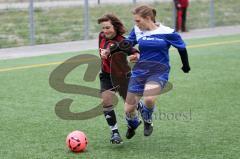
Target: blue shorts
137,83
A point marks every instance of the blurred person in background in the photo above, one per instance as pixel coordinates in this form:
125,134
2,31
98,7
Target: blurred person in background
181,14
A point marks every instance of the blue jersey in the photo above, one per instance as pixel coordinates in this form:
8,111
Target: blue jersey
153,64
154,46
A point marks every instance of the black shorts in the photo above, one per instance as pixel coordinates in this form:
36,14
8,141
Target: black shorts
120,86
106,82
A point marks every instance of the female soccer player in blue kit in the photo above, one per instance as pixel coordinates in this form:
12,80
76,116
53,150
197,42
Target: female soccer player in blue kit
150,74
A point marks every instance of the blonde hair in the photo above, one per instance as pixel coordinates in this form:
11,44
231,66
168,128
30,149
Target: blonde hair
144,11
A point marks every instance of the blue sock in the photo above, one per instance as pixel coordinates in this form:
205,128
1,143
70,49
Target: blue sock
133,121
147,113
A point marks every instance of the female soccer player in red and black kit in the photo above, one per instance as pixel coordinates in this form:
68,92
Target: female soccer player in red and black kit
112,34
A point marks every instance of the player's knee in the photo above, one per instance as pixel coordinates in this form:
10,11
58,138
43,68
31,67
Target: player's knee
149,101
129,108
106,100
130,101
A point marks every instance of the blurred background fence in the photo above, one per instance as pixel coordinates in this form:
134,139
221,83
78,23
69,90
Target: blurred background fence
31,22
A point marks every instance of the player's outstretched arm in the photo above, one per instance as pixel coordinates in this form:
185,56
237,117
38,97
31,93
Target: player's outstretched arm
184,58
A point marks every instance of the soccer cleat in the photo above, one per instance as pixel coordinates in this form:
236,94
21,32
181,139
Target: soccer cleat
131,131
148,128
147,118
116,139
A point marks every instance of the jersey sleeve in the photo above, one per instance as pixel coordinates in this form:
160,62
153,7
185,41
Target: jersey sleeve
175,40
132,37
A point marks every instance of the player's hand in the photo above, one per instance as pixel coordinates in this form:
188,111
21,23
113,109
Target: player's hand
134,57
186,69
104,53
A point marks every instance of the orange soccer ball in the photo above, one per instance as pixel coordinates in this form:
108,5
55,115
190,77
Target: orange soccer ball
77,141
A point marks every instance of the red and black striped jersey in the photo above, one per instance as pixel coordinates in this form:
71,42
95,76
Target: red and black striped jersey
105,43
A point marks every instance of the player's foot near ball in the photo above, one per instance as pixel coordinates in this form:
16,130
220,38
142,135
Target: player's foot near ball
116,139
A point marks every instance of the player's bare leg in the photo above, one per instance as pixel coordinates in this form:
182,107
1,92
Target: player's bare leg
151,91
109,113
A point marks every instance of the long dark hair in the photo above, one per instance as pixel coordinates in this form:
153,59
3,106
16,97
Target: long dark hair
115,21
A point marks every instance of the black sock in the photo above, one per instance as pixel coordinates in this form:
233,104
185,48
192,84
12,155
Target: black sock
111,120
